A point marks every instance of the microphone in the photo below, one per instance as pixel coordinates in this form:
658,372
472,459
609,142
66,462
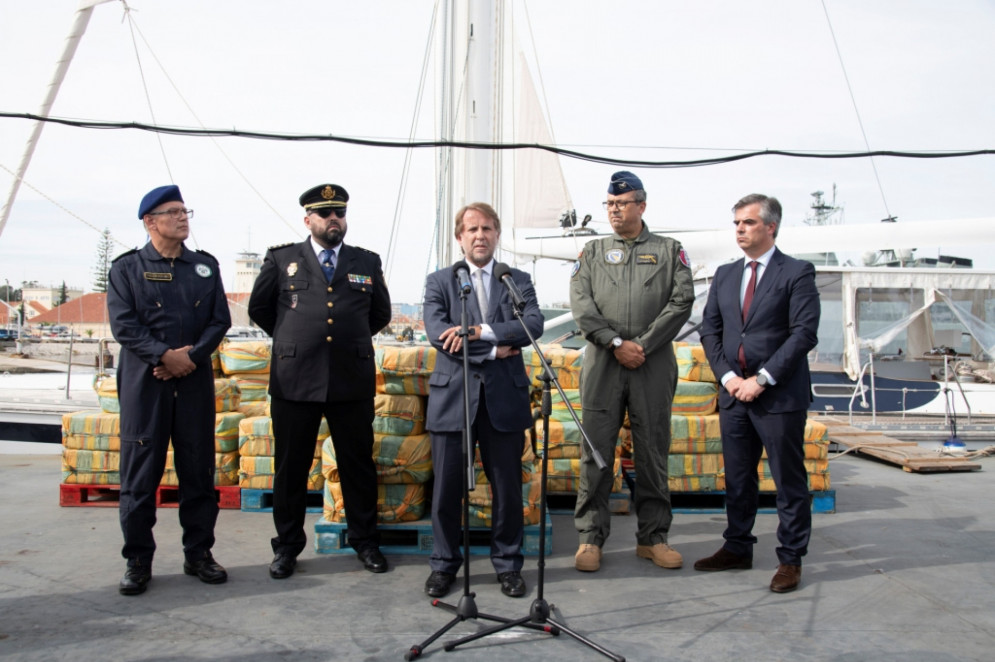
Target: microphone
503,273
462,272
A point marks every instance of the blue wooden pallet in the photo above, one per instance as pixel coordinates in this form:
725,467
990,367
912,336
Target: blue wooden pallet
416,538
261,501
715,502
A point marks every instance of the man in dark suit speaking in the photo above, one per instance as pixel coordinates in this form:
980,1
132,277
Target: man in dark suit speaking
322,301
499,399
760,321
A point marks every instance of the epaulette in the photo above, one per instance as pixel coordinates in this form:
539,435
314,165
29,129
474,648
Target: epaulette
126,253
279,246
367,250
202,252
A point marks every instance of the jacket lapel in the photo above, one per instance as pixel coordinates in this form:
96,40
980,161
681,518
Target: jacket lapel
770,273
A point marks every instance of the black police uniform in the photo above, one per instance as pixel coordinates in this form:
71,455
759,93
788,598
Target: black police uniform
157,304
322,365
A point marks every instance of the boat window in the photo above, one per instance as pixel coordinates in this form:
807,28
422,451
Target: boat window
830,347
949,330
879,308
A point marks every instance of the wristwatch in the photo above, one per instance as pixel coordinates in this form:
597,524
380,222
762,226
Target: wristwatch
616,342
762,379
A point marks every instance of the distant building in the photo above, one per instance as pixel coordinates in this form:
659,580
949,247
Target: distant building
47,296
247,267
85,316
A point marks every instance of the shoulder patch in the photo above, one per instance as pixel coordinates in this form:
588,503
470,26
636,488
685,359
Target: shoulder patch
207,254
125,254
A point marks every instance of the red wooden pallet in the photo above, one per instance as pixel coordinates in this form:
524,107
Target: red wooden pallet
167,496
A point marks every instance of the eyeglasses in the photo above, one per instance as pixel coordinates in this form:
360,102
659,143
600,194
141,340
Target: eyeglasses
173,213
620,204
326,212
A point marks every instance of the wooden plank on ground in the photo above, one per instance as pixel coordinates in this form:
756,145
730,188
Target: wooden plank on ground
906,454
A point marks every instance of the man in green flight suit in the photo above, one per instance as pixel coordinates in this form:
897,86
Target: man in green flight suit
630,293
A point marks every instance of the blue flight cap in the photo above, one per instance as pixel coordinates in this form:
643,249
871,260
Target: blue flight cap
158,196
624,181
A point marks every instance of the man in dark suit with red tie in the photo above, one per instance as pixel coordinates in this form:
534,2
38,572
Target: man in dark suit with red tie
322,300
760,321
498,398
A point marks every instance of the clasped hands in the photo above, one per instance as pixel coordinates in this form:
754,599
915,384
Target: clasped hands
174,363
453,342
744,390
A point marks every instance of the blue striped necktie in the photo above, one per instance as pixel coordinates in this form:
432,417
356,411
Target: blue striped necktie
327,264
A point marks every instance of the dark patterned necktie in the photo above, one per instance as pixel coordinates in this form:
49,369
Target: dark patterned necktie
327,264
751,287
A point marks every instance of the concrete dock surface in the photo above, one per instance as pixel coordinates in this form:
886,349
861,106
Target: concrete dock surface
904,570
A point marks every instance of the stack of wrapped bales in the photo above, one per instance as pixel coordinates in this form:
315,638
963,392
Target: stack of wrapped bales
92,443
247,362
256,465
402,450
482,497
565,439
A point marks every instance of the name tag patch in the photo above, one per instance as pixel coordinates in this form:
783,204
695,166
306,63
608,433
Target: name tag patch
158,276
646,258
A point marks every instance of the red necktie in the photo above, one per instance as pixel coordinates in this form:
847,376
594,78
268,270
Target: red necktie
751,287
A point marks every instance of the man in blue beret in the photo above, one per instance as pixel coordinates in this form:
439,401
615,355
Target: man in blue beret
322,300
169,312
631,293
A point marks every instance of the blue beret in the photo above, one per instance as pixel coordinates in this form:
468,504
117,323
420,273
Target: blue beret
324,195
158,196
624,181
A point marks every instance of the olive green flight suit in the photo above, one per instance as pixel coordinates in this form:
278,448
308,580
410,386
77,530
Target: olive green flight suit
640,290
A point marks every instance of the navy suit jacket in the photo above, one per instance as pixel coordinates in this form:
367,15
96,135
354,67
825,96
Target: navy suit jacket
780,329
505,383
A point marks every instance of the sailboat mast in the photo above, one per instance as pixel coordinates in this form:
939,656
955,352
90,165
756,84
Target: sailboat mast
80,22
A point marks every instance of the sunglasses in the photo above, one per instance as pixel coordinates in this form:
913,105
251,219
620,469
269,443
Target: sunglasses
326,212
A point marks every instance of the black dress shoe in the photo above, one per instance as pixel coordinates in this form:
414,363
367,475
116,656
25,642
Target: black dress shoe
723,560
372,559
136,580
206,569
282,566
439,583
512,584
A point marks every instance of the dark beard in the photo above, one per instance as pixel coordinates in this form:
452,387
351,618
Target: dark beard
333,237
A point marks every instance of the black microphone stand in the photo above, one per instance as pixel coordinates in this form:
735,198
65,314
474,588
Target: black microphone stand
466,608
539,612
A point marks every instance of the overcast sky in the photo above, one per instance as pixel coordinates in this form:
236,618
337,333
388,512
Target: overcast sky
630,79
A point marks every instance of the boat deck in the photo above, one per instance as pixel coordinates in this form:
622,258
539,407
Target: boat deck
902,570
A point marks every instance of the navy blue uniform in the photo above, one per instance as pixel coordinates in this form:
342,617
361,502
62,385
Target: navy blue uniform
322,365
157,304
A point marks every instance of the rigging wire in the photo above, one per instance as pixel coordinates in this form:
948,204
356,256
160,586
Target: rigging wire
212,135
63,208
568,153
145,85
406,168
856,111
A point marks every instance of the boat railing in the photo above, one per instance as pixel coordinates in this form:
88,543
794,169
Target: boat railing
868,369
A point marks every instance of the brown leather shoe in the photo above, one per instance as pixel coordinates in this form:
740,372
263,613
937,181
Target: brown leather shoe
723,560
786,579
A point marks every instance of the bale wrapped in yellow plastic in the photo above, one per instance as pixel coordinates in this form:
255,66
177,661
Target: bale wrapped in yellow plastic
566,365
694,464
692,364
710,483
245,357
397,459
226,431
700,398
400,415
227,395
404,370
254,387
90,467
106,388
255,436
396,502
564,476
256,472
255,408
94,431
